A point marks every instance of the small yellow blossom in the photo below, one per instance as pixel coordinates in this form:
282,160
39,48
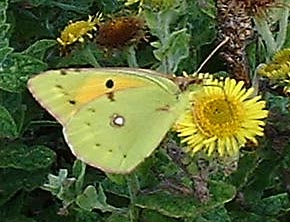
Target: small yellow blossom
222,117
278,68
275,71
76,31
282,56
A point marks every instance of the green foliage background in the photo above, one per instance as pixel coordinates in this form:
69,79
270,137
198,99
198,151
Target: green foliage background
39,177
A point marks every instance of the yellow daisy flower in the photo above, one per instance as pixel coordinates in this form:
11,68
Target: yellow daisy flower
223,116
76,31
278,68
275,71
282,56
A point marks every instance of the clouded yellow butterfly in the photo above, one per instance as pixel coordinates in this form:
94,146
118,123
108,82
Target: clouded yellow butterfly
112,118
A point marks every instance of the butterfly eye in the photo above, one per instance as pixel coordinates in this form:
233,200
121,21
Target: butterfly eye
110,83
117,120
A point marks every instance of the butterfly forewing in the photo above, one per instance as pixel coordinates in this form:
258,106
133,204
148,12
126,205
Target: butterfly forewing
64,92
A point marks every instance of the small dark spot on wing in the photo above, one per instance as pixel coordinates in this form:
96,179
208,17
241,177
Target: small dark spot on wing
63,72
58,86
165,108
125,156
72,102
90,109
97,144
110,96
88,124
110,150
77,70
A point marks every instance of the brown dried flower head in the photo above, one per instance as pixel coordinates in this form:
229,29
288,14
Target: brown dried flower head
260,7
120,32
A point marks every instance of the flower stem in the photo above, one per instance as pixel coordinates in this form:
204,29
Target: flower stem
283,24
133,188
88,54
264,30
131,57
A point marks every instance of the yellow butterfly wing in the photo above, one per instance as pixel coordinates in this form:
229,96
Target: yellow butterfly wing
112,118
116,136
63,92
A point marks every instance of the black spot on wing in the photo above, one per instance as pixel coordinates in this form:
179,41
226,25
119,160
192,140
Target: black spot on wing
164,108
72,102
58,86
63,72
110,83
77,70
110,96
61,90
91,109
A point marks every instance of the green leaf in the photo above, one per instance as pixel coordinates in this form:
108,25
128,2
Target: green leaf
172,46
12,210
18,218
77,6
16,180
17,69
90,200
202,24
117,178
150,215
118,187
243,216
83,55
8,126
218,214
19,156
39,48
177,206
287,40
61,186
118,218
259,181
159,23
273,205
5,50
247,164
4,53
79,170
173,51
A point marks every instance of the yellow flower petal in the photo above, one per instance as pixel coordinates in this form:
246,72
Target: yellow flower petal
221,118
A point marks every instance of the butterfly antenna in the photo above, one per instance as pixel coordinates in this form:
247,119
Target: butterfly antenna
212,53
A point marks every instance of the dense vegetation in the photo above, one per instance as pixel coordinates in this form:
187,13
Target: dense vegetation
40,179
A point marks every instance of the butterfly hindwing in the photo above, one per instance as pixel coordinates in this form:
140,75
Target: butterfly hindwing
117,135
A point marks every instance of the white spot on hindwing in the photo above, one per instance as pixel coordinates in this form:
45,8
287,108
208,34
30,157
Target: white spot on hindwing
117,120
